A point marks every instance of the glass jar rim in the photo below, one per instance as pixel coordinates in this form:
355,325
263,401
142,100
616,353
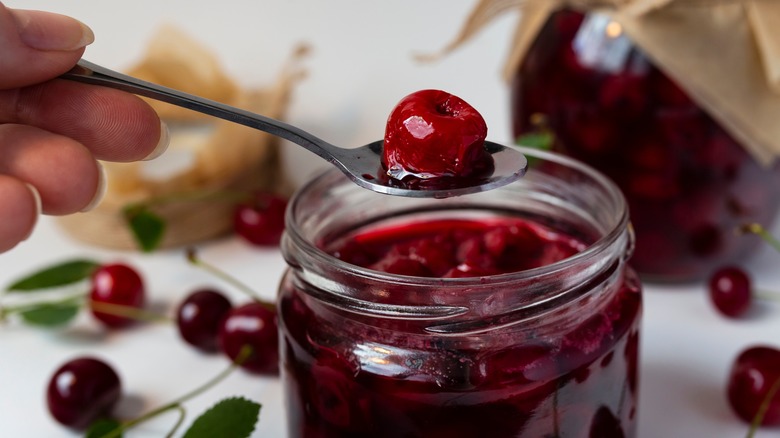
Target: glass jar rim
597,247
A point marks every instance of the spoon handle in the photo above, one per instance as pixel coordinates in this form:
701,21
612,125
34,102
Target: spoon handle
94,74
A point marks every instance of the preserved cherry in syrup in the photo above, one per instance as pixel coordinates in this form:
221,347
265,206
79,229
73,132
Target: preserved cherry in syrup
433,138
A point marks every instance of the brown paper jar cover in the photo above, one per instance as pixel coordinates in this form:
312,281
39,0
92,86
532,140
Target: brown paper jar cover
677,101
206,155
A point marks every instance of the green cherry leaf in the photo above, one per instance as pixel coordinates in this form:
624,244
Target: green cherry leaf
58,275
102,427
542,140
51,314
234,417
147,228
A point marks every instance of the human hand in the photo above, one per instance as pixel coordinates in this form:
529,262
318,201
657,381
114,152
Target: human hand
52,131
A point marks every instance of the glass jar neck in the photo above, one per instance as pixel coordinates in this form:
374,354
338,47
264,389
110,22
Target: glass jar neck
557,191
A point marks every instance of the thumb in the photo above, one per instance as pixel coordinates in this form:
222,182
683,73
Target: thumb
37,46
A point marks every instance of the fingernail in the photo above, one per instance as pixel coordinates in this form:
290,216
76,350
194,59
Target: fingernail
48,31
162,145
100,192
38,206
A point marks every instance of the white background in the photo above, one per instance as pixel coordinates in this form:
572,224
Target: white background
361,66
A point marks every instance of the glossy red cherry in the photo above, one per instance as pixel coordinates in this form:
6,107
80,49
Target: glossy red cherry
730,291
81,391
432,134
199,316
754,373
116,284
253,325
260,221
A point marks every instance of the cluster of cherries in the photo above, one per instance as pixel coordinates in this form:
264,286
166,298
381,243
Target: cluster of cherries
754,380
85,389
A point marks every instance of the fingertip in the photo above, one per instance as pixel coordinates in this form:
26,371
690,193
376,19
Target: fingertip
100,189
41,30
162,143
37,46
36,199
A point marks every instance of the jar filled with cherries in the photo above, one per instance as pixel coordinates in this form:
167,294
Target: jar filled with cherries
510,312
688,182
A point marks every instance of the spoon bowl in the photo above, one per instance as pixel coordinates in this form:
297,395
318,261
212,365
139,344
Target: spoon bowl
362,164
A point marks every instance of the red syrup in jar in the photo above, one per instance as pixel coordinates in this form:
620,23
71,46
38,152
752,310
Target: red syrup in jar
457,248
688,183
350,374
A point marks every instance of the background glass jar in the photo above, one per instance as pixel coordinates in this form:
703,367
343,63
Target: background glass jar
551,350
688,183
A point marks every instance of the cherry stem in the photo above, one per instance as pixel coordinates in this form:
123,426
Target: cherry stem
763,408
761,232
766,295
109,308
243,355
182,415
128,312
192,256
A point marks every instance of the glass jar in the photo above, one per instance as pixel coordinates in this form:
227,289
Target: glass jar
546,351
688,183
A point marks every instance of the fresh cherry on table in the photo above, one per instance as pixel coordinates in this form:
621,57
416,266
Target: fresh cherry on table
254,325
260,220
755,372
730,291
81,391
199,316
432,134
116,284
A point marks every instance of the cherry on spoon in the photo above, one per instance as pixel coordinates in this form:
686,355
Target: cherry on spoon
362,165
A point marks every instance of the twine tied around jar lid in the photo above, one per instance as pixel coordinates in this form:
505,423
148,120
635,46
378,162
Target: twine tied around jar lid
724,53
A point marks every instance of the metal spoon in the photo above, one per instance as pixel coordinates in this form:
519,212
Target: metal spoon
362,165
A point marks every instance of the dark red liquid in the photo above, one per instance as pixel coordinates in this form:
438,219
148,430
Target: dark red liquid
688,183
350,375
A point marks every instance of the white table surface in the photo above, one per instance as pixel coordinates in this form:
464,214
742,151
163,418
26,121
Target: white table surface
361,66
